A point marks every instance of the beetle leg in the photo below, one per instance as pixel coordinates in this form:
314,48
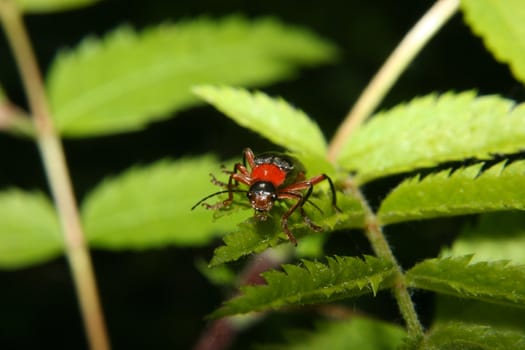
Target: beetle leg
239,174
249,157
299,204
308,184
217,182
309,221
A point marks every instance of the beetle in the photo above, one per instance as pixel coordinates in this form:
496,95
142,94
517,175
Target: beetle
271,177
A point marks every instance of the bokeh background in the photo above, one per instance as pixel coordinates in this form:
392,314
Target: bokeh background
157,299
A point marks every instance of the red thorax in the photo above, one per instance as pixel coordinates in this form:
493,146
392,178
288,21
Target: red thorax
270,173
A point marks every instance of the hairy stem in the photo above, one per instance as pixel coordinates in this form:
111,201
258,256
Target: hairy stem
381,248
58,177
370,98
385,78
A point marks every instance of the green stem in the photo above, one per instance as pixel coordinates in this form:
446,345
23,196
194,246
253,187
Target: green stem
58,177
381,248
385,78
370,98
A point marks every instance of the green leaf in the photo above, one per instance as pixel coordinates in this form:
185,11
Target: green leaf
464,336
130,79
434,129
272,118
501,24
496,236
150,206
452,309
254,236
29,229
43,6
495,282
340,278
361,333
465,191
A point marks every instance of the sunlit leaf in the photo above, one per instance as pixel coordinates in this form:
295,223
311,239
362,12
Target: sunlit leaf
465,191
495,282
273,118
129,79
434,129
150,206
501,24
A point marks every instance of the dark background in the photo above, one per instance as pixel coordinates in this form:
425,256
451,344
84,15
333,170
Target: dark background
157,299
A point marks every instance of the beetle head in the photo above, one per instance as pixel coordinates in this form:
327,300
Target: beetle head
262,194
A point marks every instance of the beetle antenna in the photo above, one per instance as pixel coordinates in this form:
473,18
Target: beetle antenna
216,194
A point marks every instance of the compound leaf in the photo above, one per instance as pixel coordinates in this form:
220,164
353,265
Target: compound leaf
253,236
501,24
150,206
465,191
466,336
273,118
362,333
434,129
129,79
495,282
29,229
315,282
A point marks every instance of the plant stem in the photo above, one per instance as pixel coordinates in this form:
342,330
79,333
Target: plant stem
385,78
376,90
58,177
381,248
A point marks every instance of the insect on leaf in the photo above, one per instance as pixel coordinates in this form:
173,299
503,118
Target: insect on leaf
501,24
253,236
314,282
128,79
465,191
150,206
434,129
272,118
29,229
495,282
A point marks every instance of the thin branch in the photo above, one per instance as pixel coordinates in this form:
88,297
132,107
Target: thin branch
58,177
14,120
385,78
